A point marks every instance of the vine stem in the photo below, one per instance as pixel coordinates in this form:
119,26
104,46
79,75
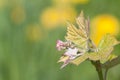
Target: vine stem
98,67
112,63
105,75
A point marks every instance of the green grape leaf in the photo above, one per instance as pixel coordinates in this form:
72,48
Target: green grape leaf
78,36
111,63
106,46
94,56
111,57
107,41
80,59
104,54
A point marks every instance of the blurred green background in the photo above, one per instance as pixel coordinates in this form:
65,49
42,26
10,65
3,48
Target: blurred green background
29,30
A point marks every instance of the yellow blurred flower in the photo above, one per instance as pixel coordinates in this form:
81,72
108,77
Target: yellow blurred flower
79,1
56,2
18,15
33,32
102,24
53,17
3,3
70,2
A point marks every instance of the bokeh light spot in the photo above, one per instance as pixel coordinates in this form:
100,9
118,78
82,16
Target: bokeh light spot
53,17
18,15
3,3
102,24
80,1
70,1
33,32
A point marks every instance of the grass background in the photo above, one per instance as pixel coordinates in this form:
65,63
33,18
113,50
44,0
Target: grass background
22,59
